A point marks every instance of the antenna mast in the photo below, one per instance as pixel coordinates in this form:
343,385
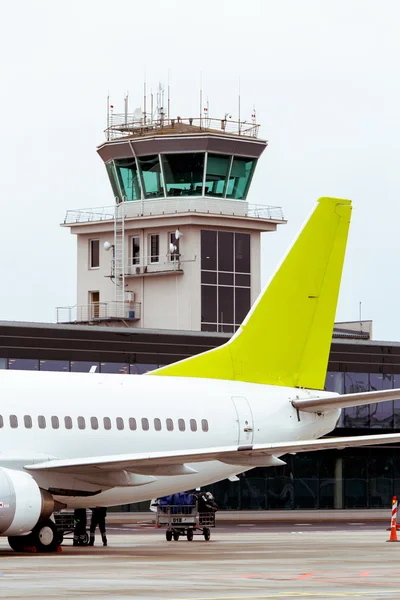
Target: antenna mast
201,97
144,100
126,99
169,98
239,105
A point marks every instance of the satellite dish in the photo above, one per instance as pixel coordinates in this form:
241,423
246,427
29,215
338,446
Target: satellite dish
178,234
137,115
107,246
172,248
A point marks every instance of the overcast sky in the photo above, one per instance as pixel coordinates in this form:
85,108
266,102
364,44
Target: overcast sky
323,75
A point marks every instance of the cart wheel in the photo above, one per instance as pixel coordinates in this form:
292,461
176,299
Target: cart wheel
189,535
176,536
168,535
85,539
207,534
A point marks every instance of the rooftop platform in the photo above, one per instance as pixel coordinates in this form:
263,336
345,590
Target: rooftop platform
182,206
123,125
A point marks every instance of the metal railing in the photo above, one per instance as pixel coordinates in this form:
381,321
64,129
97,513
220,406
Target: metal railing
125,125
171,206
99,311
168,263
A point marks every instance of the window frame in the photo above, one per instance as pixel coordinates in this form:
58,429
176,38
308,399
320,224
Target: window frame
154,259
91,265
135,260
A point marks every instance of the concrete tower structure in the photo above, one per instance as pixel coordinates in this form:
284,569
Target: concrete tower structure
180,247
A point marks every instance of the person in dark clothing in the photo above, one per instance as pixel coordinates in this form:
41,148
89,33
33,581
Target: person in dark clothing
80,526
98,518
206,502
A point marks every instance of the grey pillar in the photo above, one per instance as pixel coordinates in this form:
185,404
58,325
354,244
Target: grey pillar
338,486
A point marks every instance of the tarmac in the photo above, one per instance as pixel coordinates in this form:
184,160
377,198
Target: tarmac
242,561
287,516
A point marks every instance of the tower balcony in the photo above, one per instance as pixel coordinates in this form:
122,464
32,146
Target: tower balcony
99,311
171,206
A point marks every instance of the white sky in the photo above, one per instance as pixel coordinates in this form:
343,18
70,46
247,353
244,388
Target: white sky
324,76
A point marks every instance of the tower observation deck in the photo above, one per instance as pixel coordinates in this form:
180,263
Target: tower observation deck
185,242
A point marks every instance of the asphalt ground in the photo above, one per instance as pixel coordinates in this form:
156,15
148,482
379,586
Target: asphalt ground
242,561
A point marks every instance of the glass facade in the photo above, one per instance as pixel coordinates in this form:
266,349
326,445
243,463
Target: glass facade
225,279
184,174
383,415
76,366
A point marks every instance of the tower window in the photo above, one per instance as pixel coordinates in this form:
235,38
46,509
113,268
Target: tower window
135,250
151,176
94,254
183,173
154,248
225,280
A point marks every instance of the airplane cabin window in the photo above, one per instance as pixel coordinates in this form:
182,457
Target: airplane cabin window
55,422
145,424
193,424
157,424
132,424
204,424
107,423
120,423
170,425
13,421
81,423
41,422
68,422
28,421
94,422
1,421
181,425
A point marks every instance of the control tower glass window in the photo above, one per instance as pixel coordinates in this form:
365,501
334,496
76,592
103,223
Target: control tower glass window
128,179
151,176
240,177
183,173
217,172
225,279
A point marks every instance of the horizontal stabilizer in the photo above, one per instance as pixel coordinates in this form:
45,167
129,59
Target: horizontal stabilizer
316,405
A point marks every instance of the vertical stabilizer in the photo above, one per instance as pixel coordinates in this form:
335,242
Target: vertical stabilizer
286,337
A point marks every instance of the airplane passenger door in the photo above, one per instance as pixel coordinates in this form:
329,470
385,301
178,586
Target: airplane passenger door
245,420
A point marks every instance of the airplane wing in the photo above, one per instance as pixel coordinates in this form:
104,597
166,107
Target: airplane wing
316,405
176,462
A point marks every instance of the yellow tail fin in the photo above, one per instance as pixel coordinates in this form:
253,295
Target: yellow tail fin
286,337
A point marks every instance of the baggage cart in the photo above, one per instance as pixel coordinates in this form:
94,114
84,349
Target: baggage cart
65,524
184,520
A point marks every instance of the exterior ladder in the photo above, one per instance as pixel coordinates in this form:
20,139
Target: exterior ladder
119,260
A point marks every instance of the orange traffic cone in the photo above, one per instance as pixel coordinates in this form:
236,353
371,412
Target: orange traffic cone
393,529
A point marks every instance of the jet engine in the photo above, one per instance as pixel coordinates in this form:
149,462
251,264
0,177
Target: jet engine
22,503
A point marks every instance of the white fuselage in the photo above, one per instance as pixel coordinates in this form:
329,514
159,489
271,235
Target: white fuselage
181,414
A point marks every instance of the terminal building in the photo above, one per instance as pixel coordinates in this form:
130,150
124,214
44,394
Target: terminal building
171,268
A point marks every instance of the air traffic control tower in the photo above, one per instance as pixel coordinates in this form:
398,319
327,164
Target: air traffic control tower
180,246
